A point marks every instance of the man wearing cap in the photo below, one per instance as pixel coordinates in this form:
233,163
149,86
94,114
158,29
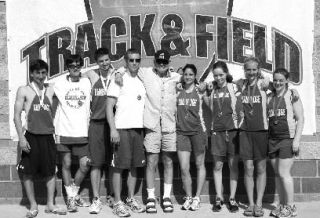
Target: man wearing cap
159,121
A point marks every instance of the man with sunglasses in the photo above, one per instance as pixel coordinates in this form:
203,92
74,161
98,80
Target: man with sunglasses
159,120
71,127
126,132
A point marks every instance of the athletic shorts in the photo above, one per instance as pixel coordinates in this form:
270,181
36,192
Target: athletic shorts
42,156
99,141
196,143
224,144
280,148
253,145
130,152
156,140
79,150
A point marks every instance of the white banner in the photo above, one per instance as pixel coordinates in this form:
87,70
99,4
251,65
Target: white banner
280,33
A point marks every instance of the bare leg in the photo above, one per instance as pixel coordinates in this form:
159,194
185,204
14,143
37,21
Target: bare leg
152,163
184,160
261,180
95,176
131,182
66,164
248,180
51,185
234,171
286,179
116,182
28,184
217,174
279,187
201,172
82,171
168,167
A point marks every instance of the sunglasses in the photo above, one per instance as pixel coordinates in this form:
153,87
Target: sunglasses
138,60
73,67
162,61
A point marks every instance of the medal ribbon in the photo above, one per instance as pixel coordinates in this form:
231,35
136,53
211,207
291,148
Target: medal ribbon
276,107
104,80
41,98
249,94
216,92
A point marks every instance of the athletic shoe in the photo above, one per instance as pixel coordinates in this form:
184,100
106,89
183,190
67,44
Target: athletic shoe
275,212
195,204
135,205
71,205
120,209
258,211
233,206
80,202
96,206
217,206
151,205
288,211
249,211
187,203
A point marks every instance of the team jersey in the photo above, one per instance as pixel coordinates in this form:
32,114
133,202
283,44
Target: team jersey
99,97
254,101
226,108
73,111
189,113
281,117
39,117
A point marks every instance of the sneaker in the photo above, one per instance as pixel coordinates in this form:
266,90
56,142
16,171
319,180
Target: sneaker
110,200
151,205
233,206
135,205
187,203
80,202
195,204
167,205
120,209
217,206
71,205
96,206
275,212
288,211
249,211
258,211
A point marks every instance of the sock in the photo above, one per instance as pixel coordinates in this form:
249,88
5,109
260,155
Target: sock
69,191
75,189
151,193
167,190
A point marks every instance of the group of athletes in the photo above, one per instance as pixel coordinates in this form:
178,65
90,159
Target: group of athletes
126,117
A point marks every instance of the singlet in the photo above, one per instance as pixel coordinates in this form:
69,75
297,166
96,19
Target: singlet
254,107
228,116
283,125
39,117
189,113
99,97
73,111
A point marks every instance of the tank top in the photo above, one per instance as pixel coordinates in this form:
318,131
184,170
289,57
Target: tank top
281,117
39,118
189,113
254,101
99,97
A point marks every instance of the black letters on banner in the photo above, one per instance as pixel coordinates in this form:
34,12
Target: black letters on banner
238,41
202,36
59,49
287,55
260,49
222,38
143,34
173,35
86,41
106,41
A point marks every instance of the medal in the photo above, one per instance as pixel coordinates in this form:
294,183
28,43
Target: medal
216,92
251,112
139,97
275,122
220,114
41,97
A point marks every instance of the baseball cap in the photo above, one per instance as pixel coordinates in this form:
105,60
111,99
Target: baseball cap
162,57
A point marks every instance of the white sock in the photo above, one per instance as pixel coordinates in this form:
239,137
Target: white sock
167,190
75,189
69,190
151,193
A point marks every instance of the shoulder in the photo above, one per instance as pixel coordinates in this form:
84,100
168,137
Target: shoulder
23,90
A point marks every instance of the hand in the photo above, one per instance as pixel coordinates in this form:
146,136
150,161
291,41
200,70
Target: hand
179,86
202,87
24,145
118,79
295,95
209,86
115,137
265,83
295,147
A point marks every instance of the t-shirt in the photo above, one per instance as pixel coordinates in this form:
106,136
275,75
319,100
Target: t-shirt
130,101
73,111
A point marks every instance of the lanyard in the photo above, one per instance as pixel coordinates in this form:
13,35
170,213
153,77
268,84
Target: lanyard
41,98
249,94
216,92
104,81
276,107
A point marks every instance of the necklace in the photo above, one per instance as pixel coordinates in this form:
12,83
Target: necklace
216,92
41,97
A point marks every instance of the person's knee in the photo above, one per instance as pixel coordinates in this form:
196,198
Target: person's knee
249,170
66,163
218,166
261,169
185,169
84,168
152,161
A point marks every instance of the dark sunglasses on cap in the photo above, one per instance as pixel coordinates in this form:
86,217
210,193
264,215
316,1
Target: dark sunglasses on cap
162,61
138,60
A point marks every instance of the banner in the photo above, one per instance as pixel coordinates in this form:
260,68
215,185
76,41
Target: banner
279,33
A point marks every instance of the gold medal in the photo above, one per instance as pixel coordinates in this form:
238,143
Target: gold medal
139,97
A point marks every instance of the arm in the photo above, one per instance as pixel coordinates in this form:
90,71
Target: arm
111,102
18,108
298,113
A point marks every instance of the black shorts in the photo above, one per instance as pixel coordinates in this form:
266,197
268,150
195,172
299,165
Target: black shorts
99,141
253,145
130,152
79,150
196,143
42,156
224,144
280,148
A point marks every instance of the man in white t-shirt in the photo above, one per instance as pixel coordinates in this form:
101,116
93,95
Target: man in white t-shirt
126,131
